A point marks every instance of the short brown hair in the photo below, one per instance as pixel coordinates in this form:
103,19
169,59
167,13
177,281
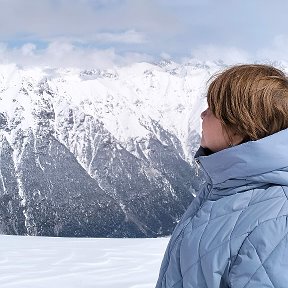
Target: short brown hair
251,99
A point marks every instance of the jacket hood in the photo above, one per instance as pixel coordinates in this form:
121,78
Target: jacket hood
264,161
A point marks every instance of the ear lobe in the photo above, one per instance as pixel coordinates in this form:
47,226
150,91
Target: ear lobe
237,139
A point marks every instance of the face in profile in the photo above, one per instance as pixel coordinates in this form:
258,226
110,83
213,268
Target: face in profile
214,136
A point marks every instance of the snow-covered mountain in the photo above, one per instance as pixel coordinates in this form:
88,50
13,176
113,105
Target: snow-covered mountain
99,153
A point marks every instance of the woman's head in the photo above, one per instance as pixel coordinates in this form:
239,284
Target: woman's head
250,102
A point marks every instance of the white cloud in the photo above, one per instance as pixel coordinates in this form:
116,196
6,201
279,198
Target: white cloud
229,55
140,27
28,49
129,36
277,51
165,56
65,54
126,21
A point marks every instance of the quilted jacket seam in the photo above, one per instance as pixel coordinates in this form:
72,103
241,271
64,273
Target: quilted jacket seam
249,232
278,215
271,219
238,220
268,199
262,263
284,192
210,220
252,175
268,276
176,282
207,223
250,205
181,235
223,243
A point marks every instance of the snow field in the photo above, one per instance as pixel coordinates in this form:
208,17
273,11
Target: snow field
42,262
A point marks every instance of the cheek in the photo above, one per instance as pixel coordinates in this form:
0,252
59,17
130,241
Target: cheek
212,136
211,126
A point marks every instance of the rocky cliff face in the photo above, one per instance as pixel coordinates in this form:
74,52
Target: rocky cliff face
98,153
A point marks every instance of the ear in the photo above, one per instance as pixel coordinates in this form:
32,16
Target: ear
233,138
236,139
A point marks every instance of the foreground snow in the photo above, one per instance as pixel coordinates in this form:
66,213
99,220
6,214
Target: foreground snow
40,262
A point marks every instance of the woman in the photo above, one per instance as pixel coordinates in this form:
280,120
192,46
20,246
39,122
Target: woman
234,234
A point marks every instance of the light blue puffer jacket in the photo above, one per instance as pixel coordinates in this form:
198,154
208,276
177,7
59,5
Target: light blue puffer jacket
234,234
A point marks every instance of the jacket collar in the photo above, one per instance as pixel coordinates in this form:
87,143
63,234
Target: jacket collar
262,161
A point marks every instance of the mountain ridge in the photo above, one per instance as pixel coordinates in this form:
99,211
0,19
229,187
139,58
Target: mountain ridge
99,153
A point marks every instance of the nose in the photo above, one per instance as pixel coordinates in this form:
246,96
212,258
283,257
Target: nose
203,114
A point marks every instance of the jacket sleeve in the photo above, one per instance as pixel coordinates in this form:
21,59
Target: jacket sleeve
262,260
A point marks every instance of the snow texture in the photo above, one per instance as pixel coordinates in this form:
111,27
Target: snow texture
43,262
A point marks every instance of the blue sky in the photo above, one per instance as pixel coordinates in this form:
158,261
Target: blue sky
104,33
